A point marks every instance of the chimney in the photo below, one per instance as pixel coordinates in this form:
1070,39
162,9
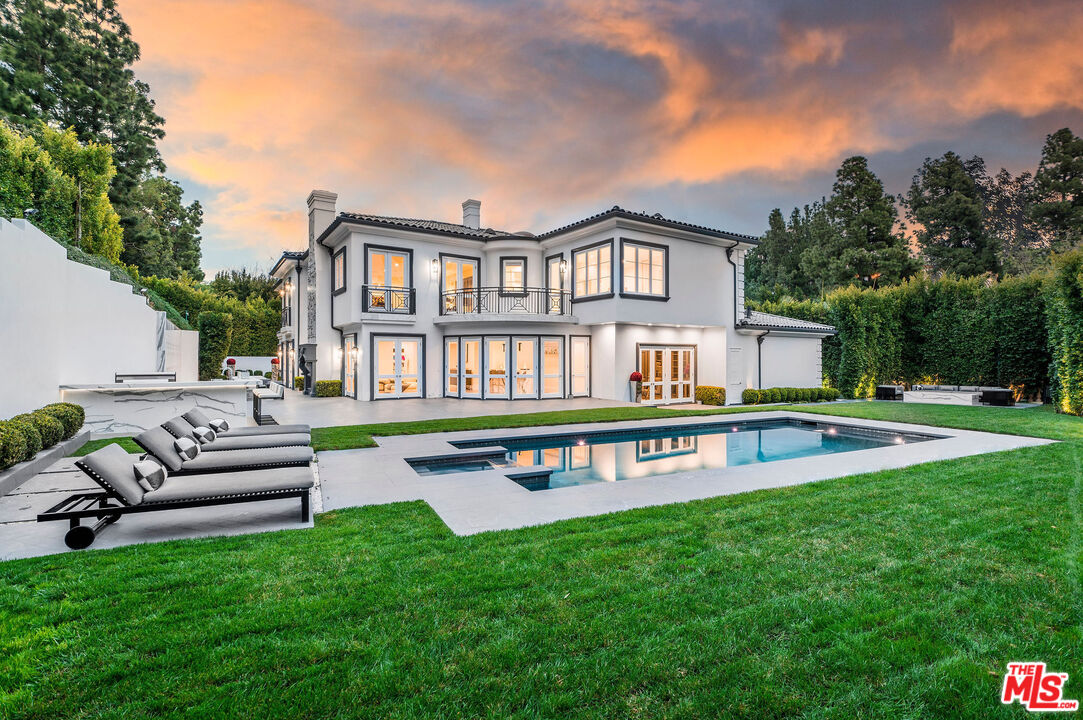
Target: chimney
472,213
321,212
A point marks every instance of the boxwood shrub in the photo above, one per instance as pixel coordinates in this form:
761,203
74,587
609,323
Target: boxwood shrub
30,432
299,382
72,416
328,388
51,429
750,396
12,444
754,396
710,395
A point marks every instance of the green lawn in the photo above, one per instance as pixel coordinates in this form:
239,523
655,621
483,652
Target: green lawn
896,594
91,445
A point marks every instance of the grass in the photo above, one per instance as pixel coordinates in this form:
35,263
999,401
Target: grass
91,445
895,594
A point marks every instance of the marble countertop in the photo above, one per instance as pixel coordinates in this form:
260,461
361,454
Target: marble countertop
159,385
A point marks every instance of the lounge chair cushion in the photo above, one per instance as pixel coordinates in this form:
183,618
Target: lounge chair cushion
253,430
230,483
219,425
197,417
186,448
204,435
159,442
179,427
249,459
149,474
111,467
228,442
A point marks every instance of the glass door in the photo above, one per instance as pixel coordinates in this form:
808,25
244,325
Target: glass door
668,374
496,368
451,365
471,366
349,384
387,289
580,366
652,365
459,280
525,368
398,368
552,367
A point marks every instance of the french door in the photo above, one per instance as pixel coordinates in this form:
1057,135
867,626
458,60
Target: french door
526,368
580,366
669,374
389,278
496,368
460,278
552,367
349,371
451,367
399,364
554,284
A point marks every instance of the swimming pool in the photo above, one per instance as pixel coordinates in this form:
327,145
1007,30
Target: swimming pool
609,456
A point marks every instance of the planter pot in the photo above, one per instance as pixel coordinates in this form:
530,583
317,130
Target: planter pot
636,389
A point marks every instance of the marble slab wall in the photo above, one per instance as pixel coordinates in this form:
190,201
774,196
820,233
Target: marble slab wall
133,409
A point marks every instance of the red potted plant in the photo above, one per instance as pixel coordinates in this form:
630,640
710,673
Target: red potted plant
231,361
636,381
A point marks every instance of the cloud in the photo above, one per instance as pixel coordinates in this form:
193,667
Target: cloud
543,109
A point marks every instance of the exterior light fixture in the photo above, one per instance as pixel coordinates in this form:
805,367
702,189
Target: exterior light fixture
435,265
338,354
563,266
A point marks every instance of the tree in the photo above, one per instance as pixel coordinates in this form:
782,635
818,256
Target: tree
773,268
162,232
946,202
1021,244
1058,190
242,285
68,63
855,240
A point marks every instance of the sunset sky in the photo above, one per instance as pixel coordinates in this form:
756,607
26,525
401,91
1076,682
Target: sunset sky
548,110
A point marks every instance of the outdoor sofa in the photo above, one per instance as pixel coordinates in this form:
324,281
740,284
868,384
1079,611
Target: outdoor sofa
987,395
161,445
115,471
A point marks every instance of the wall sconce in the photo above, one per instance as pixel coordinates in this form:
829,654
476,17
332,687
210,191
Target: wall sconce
338,354
356,354
563,266
435,265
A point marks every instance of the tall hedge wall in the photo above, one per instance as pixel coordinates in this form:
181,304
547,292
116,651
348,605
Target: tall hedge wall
952,331
215,334
1065,317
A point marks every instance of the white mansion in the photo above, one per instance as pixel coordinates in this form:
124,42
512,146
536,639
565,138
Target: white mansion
398,307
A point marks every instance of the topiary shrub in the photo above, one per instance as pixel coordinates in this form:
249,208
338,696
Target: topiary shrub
12,445
51,429
70,415
30,432
328,388
806,394
775,395
299,382
750,396
831,394
710,395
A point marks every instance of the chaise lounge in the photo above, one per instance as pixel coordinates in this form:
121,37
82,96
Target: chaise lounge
197,418
114,470
178,427
161,445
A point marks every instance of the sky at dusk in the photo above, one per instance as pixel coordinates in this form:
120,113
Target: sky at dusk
548,111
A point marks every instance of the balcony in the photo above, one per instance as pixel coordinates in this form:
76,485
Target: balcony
287,316
391,300
492,303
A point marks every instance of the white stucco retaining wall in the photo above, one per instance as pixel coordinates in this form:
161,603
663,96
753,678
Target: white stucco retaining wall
62,322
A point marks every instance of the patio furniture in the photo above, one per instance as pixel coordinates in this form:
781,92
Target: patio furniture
178,427
113,469
198,418
1002,397
159,444
889,392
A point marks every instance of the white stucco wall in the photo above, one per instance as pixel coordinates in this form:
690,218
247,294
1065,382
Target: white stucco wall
64,323
791,362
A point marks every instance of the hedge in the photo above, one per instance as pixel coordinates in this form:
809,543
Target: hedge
710,395
215,333
299,382
753,396
948,331
51,429
1065,322
72,416
12,444
24,436
328,388
30,432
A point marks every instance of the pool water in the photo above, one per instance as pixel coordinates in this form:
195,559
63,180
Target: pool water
595,457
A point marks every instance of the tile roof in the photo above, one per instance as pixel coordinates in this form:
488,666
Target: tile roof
757,319
288,255
655,219
427,225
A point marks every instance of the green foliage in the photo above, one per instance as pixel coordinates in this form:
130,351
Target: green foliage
242,285
30,431
710,395
72,416
754,396
1065,317
750,396
1058,190
947,205
299,382
12,444
215,334
161,232
328,388
51,429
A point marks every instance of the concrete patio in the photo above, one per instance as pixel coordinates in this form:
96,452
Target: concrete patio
326,412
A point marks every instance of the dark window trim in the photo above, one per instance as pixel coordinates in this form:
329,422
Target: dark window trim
548,260
514,258
596,296
409,252
459,375
338,290
372,361
483,358
590,364
664,297
342,344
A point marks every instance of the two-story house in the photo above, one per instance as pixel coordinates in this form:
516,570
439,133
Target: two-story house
400,307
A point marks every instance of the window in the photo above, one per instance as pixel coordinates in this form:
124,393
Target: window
644,269
339,267
513,275
390,279
592,269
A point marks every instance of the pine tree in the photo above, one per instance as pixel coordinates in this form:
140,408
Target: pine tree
947,204
1058,190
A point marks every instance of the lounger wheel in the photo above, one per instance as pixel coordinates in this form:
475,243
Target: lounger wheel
79,537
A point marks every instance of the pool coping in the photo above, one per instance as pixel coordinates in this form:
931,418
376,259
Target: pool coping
481,501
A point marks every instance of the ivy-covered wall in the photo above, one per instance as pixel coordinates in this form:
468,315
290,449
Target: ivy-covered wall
1065,317
952,331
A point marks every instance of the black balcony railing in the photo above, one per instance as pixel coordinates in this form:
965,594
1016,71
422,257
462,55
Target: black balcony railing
287,316
493,300
377,298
